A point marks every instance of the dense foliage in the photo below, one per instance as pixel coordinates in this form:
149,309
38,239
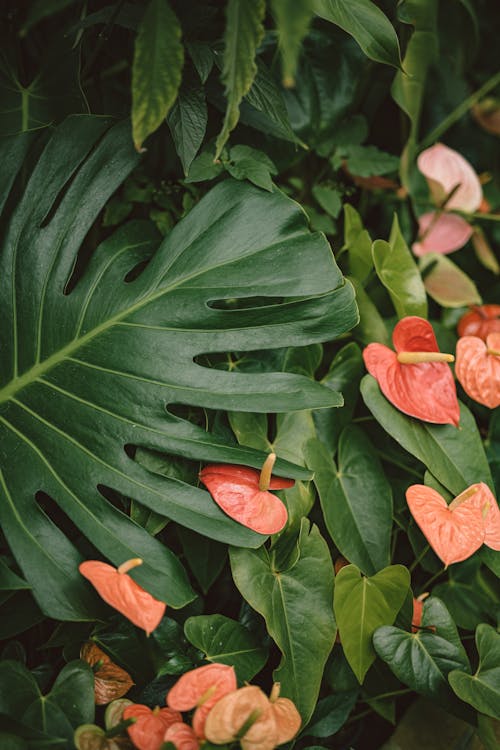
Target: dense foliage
231,229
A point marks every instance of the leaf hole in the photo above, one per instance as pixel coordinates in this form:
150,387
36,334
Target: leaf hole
136,271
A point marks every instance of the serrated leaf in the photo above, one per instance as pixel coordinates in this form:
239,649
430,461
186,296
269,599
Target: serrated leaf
399,274
370,161
482,689
446,283
293,18
188,122
364,604
156,70
297,606
329,199
369,26
242,36
226,641
84,374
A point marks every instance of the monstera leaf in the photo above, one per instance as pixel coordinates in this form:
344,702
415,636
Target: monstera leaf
91,362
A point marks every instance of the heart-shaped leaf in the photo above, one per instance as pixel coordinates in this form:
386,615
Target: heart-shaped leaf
364,604
85,374
482,689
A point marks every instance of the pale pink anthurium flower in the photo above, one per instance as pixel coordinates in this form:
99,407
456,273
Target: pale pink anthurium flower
454,185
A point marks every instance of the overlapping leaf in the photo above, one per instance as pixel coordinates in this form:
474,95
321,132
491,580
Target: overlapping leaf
84,374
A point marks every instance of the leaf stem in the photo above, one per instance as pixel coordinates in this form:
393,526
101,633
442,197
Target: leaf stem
419,558
433,578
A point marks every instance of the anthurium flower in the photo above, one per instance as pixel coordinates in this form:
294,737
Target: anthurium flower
201,688
418,610
243,494
110,680
258,722
149,729
415,378
441,233
453,531
478,368
480,321
182,736
121,592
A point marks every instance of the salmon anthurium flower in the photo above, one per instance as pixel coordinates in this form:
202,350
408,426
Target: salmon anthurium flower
478,368
415,378
457,530
454,185
480,321
243,494
149,729
110,680
258,722
182,736
121,592
201,688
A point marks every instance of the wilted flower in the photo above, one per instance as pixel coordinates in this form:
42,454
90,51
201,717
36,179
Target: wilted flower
478,368
110,680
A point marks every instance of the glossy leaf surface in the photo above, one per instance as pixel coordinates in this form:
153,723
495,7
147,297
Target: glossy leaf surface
482,689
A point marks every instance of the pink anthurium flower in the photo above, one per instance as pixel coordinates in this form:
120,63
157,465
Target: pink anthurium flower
182,736
480,321
150,726
121,592
453,531
243,494
478,368
454,185
415,378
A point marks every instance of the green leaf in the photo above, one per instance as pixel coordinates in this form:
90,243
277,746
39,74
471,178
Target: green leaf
446,283
251,430
156,70
79,383
246,163
356,499
465,596
203,58
204,168
263,108
296,604
436,617
40,9
358,244
242,36
399,274
188,122
422,661
371,325
330,714
364,604
10,581
455,456
370,161
18,613
225,641
205,557
293,18
329,199
367,24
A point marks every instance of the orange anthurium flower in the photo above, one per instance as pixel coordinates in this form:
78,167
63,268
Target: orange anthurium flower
201,688
480,321
182,736
120,591
415,378
110,680
478,368
148,731
243,494
258,722
453,531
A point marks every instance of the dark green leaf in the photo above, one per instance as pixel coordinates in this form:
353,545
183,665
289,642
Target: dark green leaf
10,581
369,161
203,58
367,24
40,9
19,613
204,167
358,244
371,325
225,641
482,689
364,604
157,69
263,108
297,605
188,122
329,199
330,714
204,556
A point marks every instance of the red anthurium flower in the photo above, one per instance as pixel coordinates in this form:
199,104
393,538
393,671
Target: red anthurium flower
182,736
453,531
201,688
418,610
121,592
243,494
148,731
478,368
415,378
480,321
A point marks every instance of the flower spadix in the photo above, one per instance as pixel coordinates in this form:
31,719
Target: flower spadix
201,688
121,592
258,722
244,495
457,530
478,368
415,378
150,726
480,321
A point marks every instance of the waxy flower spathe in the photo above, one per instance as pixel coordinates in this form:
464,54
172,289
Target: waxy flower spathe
243,494
480,321
415,378
121,592
454,185
478,368
150,725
